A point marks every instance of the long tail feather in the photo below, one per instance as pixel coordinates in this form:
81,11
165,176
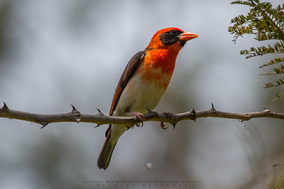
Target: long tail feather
109,145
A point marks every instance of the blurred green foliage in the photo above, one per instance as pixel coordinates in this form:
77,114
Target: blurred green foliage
266,23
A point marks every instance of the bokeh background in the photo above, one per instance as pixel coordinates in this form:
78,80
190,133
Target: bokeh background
56,53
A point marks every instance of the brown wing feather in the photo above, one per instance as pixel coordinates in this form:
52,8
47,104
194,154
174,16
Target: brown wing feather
128,72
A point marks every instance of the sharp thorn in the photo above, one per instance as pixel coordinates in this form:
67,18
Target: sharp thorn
44,124
212,107
5,106
193,112
152,113
73,108
76,113
97,125
100,111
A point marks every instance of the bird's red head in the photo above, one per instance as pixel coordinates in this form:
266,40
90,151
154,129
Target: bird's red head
170,38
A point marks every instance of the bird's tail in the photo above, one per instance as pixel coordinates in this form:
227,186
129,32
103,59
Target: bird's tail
112,137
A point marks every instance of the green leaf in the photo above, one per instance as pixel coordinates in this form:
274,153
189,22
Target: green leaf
272,62
266,23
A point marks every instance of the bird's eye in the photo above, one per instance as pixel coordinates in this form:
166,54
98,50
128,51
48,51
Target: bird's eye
170,37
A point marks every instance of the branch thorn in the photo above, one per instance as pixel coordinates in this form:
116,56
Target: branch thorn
212,107
73,108
5,106
193,112
100,112
77,114
44,124
152,113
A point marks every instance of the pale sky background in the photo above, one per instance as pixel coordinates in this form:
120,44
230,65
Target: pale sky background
57,53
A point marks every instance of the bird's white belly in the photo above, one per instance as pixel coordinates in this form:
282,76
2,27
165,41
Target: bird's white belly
141,94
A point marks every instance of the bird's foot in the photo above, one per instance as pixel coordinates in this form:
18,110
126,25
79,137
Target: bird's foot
139,116
170,116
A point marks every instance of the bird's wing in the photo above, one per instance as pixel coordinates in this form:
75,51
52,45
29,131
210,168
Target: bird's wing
128,72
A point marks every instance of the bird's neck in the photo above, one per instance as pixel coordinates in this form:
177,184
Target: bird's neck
163,59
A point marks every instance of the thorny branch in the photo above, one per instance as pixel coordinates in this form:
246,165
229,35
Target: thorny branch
100,118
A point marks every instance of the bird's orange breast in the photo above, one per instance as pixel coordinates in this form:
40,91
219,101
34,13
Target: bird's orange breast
158,67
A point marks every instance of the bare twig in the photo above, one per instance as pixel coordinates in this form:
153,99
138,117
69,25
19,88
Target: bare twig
100,118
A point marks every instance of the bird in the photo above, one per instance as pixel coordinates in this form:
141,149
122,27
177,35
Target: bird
143,83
